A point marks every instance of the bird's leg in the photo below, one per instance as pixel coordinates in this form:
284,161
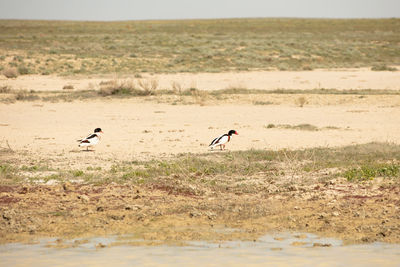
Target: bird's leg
87,148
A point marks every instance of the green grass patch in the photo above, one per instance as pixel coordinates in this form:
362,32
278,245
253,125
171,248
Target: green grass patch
371,171
191,173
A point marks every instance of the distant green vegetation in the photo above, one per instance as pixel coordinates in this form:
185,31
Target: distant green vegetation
68,48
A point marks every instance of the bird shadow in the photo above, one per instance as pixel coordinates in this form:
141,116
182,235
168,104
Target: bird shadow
218,150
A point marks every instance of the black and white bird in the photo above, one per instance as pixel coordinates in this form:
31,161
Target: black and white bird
91,140
222,140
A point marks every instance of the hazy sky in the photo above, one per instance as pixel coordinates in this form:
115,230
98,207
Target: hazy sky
181,9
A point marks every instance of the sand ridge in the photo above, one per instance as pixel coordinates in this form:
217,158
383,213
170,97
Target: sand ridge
265,80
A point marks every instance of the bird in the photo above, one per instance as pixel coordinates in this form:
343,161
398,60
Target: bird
91,139
222,140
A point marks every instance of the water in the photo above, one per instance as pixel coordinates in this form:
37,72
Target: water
272,250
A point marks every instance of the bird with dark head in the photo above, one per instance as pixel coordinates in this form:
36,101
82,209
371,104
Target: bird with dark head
222,140
91,140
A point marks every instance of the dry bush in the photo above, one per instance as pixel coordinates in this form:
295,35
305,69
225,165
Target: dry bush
68,87
11,73
301,101
149,86
23,95
128,87
5,89
176,87
113,87
200,96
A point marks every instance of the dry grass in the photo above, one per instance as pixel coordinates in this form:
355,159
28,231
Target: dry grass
139,87
300,127
68,87
301,101
132,88
10,73
216,171
5,89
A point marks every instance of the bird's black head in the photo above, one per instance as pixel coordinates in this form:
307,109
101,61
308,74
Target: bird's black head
98,130
232,132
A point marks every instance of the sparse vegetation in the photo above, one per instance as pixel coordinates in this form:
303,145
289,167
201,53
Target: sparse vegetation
129,88
5,89
140,87
302,127
263,103
360,162
198,45
371,171
289,189
383,67
68,87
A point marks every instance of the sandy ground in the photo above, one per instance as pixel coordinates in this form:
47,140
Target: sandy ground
137,129
268,80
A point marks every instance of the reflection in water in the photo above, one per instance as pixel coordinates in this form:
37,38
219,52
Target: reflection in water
276,250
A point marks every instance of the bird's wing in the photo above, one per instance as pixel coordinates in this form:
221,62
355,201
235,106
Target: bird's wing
91,136
220,139
213,141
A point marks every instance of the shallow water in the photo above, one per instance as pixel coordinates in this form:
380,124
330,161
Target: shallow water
272,250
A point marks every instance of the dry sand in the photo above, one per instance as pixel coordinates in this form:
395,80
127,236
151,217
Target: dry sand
137,130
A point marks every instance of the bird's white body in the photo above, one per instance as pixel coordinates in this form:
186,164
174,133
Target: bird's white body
91,140
220,141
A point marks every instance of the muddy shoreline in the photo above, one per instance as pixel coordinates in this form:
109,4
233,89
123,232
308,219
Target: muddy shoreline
355,213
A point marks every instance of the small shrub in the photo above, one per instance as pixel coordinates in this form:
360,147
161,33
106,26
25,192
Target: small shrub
115,87
5,89
176,87
200,96
307,67
262,103
68,87
148,86
383,67
23,70
25,96
10,73
306,127
301,101
77,173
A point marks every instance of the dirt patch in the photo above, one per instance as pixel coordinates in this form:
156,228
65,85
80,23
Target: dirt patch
352,212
